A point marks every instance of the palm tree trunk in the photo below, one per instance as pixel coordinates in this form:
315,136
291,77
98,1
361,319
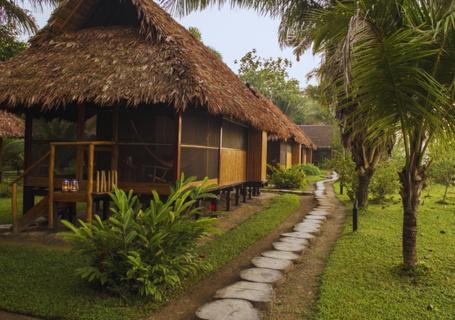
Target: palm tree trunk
445,193
363,179
412,180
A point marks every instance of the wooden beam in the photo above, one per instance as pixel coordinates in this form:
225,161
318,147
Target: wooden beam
178,151
50,215
220,147
91,164
80,137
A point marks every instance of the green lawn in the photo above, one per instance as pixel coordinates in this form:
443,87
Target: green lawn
363,279
40,281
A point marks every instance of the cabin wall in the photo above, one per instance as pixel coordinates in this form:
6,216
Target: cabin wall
296,153
286,155
257,155
233,153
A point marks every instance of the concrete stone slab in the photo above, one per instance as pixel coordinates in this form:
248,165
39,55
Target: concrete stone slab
251,291
286,255
306,229
294,240
285,246
228,309
299,235
262,275
313,217
272,263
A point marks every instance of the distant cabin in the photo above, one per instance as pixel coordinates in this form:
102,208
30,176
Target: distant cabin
118,93
322,137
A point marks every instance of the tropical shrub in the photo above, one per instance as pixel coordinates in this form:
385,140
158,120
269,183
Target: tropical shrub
384,181
341,162
443,172
144,251
310,169
291,178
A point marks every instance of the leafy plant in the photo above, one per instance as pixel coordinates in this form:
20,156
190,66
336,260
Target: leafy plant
310,169
385,180
443,172
291,178
342,163
144,251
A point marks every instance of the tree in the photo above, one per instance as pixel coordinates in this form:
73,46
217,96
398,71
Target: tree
270,76
198,35
392,60
9,45
397,59
19,19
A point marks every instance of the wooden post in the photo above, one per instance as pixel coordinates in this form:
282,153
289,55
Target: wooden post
115,148
91,162
220,150
178,151
80,137
28,196
14,206
50,215
237,195
228,199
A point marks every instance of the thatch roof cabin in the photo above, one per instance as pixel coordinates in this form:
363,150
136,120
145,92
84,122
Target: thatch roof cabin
139,100
77,58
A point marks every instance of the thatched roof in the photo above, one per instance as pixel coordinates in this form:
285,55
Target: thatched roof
128,52
11,126
320,134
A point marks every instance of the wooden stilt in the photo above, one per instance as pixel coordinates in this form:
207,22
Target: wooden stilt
91,161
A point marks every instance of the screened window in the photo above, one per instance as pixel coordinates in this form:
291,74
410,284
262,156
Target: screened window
234,136
200,144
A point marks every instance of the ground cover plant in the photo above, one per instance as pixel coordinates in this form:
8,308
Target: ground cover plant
144,250
363,281
287,178
46,285
310,169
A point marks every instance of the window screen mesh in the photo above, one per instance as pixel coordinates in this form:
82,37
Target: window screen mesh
200,128
234,136
200,162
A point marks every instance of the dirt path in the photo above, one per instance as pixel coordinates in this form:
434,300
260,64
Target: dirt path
296,297
185,306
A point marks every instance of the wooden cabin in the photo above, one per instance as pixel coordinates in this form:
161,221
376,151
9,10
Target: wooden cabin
115,92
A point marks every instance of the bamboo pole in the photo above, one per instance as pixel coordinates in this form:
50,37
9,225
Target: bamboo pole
50,214
91,163
97,181
14,206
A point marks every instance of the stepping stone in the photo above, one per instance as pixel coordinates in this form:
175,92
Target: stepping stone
313,230
309,223
228,309
280,255
251,291
272,263
319,213
294,240
299,235
261,275
291,247
313,217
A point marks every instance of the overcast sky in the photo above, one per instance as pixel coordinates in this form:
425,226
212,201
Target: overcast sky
234,32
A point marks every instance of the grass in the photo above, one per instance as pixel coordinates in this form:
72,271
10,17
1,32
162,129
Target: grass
41,281
364,280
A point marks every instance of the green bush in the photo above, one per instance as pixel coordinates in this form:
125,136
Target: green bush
384,181
143,251
292,178
310,169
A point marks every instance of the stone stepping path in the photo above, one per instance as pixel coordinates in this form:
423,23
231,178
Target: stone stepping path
243,299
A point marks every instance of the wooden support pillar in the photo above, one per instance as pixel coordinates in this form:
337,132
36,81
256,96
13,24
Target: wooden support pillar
50,215
244,193
237,196
250,193
91,162
80,137
228,199
178,151
28,198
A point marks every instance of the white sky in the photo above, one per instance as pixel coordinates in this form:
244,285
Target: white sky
234,32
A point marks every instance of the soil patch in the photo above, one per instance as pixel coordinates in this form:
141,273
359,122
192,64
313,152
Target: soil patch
184,306
296,297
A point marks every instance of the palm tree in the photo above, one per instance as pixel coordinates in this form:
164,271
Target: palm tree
13,14
390,61
395,64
